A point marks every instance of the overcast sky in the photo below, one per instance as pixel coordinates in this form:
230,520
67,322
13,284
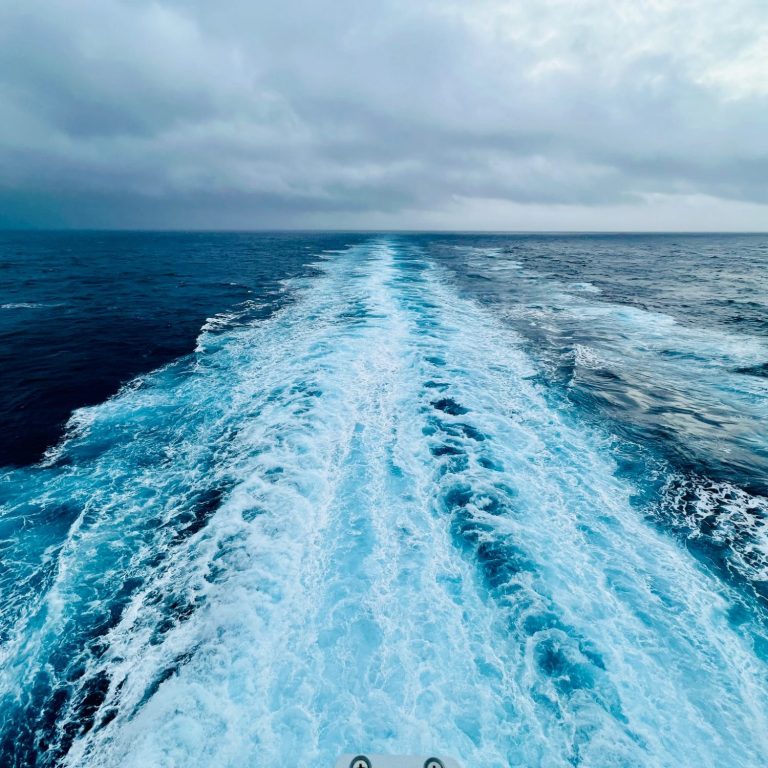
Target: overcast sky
471,114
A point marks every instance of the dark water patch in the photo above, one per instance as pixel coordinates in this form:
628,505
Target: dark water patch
356,314
445,449
42,730
91,697
174,610
107,717
471,432
760,370
306,389
572,666
501,564
450,406
190,521
110,306
452,429
273,474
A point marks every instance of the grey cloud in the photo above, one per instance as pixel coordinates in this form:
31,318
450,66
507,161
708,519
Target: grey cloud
260,114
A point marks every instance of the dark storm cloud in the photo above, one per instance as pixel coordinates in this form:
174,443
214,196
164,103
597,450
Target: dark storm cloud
249,114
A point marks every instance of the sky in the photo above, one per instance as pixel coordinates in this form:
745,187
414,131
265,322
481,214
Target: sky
384,114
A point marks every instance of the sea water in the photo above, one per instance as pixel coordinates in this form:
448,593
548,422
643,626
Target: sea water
496,497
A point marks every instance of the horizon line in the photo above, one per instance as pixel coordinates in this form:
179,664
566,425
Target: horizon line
373,231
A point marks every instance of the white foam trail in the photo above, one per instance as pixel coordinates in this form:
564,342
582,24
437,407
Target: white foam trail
416,553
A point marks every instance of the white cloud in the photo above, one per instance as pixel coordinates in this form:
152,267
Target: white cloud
743,76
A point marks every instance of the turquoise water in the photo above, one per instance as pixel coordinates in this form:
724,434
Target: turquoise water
398,512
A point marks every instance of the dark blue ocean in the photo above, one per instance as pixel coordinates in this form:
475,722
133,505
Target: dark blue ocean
270,498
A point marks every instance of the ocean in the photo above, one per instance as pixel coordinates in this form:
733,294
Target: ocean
268,498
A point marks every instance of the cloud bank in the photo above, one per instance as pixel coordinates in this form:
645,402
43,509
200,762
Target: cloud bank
522,114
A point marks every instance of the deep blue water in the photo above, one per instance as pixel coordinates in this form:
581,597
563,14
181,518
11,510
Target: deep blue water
269,498
83,313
